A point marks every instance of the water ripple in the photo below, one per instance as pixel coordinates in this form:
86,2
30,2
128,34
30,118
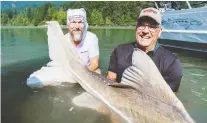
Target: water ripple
198,94
194,74
193,81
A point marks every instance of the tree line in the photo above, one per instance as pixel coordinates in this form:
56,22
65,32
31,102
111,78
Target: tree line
98,13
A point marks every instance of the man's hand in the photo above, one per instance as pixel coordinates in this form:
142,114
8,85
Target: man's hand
94,63
111,75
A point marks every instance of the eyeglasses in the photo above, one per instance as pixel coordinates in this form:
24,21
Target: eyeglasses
152,28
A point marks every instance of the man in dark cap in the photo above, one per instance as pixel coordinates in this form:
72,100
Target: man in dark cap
148,30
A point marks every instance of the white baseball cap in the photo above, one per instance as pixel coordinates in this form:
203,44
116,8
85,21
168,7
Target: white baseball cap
76,14
152,13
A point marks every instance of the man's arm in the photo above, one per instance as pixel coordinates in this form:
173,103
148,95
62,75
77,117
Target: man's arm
111,74
94,63
173,75
93,53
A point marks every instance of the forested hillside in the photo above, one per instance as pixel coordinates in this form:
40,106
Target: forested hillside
114,13
98,13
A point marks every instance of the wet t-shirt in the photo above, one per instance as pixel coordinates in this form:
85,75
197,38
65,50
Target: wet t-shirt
88,48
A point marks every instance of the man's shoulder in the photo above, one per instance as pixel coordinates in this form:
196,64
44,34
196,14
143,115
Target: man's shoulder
124,49
90,34
167,54
126,46
90,38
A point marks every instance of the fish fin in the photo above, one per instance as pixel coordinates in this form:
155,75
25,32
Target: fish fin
144,76
120,85
60,49
54,33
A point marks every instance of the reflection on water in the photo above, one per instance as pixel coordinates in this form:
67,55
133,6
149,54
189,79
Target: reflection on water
192,92
23,36
25,50
18,44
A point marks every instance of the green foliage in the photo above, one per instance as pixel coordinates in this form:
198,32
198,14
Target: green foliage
20,20
98,13
96,18
60,17
44,13
4,19
65,6
125,20
108,21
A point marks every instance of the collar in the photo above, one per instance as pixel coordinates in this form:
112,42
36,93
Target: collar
150,53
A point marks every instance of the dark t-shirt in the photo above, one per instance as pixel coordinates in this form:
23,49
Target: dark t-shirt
167,63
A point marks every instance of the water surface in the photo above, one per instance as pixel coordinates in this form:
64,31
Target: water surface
24,50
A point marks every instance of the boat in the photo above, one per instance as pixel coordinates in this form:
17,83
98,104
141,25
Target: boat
183,28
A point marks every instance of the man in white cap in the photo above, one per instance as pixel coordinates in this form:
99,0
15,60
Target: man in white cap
148,30
86,45
85,42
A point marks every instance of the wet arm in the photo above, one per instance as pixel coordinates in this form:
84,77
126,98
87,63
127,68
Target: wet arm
94,63
111,74
173,75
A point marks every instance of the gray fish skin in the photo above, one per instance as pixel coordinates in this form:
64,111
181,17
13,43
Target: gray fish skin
147,103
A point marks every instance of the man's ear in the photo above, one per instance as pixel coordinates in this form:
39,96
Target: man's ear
160,32
67,25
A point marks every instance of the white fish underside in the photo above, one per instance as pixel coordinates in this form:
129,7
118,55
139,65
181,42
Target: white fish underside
146,99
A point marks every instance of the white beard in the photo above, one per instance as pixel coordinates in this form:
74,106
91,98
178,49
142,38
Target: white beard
77,37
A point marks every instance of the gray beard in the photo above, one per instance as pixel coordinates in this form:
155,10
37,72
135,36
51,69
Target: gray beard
77,37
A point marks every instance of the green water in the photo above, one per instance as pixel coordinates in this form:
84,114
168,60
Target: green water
24,50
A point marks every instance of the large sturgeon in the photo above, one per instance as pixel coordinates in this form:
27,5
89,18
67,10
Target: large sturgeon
143,95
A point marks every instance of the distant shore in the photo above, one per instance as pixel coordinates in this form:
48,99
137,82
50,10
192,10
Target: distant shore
64,26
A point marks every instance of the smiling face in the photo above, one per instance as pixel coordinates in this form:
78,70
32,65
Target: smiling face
76,28
147,33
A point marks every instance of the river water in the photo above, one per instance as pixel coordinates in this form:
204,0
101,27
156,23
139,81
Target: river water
24,50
